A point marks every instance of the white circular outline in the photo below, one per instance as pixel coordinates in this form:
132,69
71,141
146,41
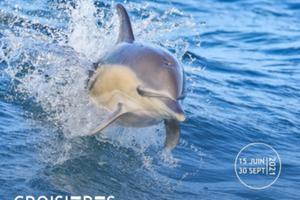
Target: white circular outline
252,187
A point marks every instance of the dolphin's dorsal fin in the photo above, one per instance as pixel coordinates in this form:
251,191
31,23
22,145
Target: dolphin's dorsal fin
125,30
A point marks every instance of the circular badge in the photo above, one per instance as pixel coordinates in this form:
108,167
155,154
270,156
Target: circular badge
257,166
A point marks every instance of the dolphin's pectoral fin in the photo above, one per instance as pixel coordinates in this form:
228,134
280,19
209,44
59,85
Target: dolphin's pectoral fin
125,32
172,133
147,92
109,119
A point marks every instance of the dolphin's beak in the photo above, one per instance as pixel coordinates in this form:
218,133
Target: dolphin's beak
180,116
177,111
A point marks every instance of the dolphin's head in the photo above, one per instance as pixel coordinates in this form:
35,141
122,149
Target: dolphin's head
162,76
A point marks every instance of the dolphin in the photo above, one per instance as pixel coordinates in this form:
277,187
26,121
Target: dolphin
139,84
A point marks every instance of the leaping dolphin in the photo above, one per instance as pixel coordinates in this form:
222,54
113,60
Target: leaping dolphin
139,84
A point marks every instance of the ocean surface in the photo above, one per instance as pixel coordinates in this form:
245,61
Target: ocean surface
242,64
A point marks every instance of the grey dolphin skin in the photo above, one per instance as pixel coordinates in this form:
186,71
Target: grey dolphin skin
139,84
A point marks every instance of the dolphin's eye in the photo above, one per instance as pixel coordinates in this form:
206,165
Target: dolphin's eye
168,63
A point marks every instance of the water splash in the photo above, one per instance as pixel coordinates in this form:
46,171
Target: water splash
86,36
51,69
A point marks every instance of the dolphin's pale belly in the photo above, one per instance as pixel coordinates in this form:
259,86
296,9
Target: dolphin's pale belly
117,84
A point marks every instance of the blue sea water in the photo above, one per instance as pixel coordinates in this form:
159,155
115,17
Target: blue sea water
242,64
